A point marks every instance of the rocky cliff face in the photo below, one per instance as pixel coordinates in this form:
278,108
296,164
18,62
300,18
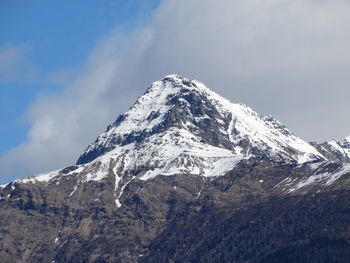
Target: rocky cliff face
184,176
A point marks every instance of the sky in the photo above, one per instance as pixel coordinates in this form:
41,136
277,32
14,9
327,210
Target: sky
69,68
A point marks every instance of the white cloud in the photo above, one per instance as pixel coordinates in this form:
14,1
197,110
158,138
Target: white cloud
287,58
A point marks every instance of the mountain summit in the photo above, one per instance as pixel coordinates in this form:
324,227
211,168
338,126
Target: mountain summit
177,116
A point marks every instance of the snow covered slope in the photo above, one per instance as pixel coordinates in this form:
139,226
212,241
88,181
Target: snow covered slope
318,176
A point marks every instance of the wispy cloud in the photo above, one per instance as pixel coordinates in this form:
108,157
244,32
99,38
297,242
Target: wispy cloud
13,63
287,58
62,76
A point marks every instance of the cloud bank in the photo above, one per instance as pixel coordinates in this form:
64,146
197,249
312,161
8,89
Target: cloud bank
286,58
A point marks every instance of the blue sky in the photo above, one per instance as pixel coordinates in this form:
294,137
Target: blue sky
69,68
50,39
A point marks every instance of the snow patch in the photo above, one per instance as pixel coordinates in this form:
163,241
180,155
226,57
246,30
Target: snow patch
121,193
39,178
74,190
326,179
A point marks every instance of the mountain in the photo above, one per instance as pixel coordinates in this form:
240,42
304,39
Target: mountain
185,176
334,150
204,119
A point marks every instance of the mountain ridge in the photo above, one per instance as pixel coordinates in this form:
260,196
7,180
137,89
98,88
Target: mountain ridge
179,126
334,150
184,166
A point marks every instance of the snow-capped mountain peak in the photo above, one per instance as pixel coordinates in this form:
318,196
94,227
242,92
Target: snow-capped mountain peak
347,139
179,105
334,150
181,127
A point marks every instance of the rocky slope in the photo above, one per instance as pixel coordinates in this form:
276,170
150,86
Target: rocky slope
184,176
338,151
